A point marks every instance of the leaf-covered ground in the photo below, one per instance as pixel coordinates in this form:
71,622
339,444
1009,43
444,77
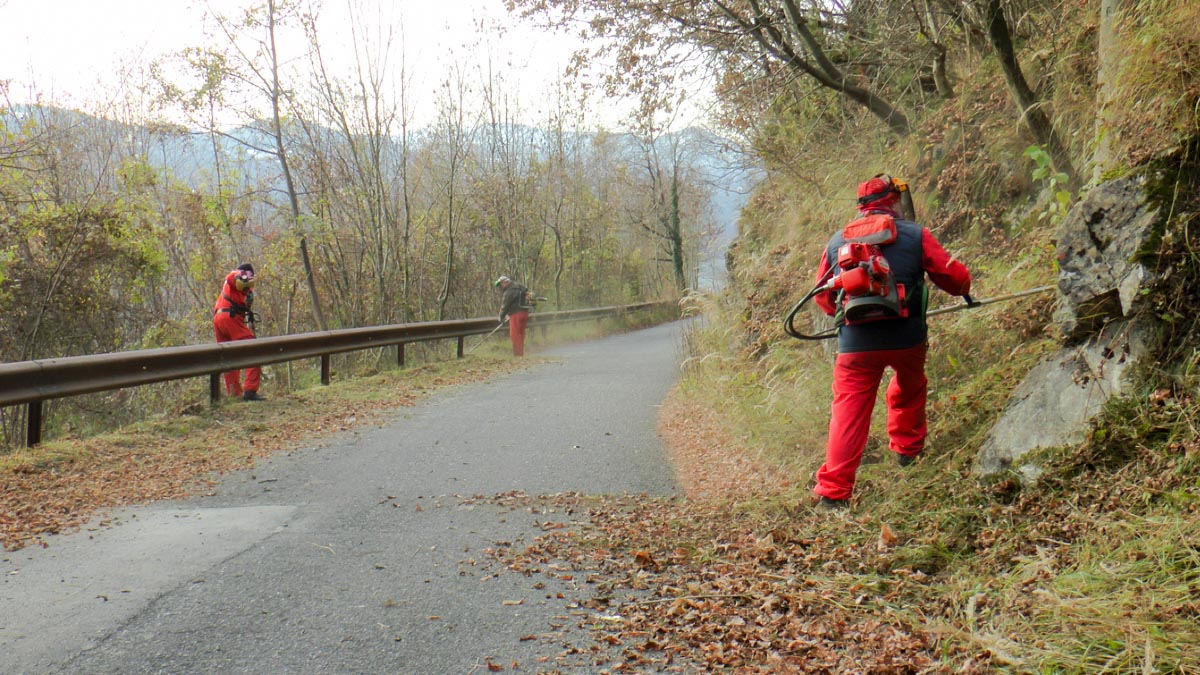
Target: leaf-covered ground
930,572
697,583
1092,573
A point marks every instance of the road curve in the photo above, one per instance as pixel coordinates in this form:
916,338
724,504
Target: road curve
363,554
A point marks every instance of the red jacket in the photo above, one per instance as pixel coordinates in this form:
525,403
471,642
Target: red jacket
233,299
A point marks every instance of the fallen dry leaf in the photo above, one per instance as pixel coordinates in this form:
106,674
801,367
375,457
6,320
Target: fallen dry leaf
887,538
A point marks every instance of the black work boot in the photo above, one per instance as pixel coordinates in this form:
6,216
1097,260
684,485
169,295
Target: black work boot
905,460
825,503
252,396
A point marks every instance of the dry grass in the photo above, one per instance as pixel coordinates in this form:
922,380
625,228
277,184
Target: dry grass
1094,570
1159,79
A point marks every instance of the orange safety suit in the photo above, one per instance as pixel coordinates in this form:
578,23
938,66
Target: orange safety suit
514,307
866,350
516,330
229,323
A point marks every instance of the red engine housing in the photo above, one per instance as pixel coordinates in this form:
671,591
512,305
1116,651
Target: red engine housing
864,271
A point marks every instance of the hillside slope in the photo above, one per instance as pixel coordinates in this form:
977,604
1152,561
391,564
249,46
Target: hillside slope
1090,565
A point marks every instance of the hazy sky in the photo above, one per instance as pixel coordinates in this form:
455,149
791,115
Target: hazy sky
72,52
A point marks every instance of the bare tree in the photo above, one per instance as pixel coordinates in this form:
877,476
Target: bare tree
989,17
455,133
930,26
408,184
665,160
512,159
252,62
353,164
647,38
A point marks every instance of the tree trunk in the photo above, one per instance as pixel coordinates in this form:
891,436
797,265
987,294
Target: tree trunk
559,266
928,23
293,199
777,45
675,233
1108,66
941,78
1032,111
835,79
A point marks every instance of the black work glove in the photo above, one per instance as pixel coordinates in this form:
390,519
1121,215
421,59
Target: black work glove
971,302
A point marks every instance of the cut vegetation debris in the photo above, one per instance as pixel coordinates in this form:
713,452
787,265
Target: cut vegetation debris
936,572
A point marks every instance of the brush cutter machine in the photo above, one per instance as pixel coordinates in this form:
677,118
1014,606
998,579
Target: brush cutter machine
826,284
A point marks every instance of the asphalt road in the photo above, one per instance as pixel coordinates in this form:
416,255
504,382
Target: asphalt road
364,554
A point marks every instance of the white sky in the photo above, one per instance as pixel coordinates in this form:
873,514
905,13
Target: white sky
70,52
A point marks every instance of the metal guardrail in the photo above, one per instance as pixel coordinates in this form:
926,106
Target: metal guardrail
32,382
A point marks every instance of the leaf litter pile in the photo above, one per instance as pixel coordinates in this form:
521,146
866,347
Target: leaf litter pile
749,601
743,575
681,584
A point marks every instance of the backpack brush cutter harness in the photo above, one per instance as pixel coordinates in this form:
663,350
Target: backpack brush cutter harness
235,309
861,276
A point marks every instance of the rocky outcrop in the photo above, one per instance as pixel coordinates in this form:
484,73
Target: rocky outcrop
1053,406
1101,245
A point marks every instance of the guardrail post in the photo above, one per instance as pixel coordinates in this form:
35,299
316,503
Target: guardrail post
33,429
461,339
325,368
214,388
400,355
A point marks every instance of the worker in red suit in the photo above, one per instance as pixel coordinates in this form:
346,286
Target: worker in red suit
868,347
514,308
233,320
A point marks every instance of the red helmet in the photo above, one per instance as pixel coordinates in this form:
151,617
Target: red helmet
244,279
879,192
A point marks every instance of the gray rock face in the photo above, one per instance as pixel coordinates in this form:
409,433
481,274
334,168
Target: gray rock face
1054,404
1100,276
1100,281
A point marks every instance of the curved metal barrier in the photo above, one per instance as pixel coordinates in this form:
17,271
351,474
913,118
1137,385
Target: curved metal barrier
32,382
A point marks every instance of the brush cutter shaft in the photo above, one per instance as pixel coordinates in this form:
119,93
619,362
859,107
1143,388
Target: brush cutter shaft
988,301
790,329
485,338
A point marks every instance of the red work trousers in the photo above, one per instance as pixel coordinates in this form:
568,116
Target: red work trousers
227,328
516,331
856,378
